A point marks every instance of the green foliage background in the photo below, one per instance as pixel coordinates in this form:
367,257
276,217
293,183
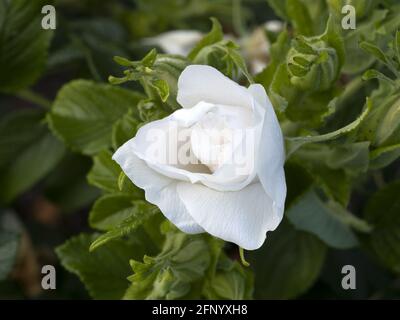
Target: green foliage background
72,96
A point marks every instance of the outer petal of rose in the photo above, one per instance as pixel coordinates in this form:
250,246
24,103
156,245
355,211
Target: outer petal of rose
159,190
204,83
271,157
242,217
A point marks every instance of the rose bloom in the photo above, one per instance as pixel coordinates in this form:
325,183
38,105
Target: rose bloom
216,165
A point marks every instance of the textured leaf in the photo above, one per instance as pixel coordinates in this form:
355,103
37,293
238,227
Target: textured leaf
84,113
123,130
231,281
173,273
23,43
111,210
113,214
104,271
105,174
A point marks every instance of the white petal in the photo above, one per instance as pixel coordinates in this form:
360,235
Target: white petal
159,190
175,42
242,217
204,83
271,157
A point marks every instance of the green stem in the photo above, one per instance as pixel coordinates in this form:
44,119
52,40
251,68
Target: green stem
35,98
237,18
242,259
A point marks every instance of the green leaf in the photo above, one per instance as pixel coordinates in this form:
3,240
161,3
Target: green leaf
309,213
24,139
278,54
84,113
110,210
8,252
23,43
382,157
294,143
382,211
357,59
120,216
105,175
104,271
397,45
123,130
150,58
288,263
162,88
375,74
299,16
174,272
375,51
231,281
215,35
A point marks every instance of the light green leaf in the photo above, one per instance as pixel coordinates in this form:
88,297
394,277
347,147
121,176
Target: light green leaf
299,16
84,113
113,214
104,271
110,210
215,35
278,54
173,273
309,213
162,88
288,263
231,281
397,45
23,43
382,211
8,252
375,51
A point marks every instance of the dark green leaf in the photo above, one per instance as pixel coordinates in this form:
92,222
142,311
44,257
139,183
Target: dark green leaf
104,271
382,212
288,263
24,141
23,43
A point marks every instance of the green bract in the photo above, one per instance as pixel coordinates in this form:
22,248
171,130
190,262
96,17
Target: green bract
312,64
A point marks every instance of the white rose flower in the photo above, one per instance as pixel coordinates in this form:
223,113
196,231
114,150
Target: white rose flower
232,183
175,42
